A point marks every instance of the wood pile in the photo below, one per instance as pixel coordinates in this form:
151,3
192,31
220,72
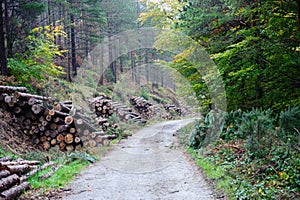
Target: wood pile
14,175
46,122
125,113
143,107
11,135
102,106
173,109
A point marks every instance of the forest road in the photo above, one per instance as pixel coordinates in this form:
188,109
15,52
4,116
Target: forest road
150,165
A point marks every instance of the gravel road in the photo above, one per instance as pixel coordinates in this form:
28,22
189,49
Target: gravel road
149,165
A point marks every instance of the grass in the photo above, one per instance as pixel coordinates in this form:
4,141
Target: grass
60,178
217,174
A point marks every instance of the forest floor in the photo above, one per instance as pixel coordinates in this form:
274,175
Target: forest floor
149,165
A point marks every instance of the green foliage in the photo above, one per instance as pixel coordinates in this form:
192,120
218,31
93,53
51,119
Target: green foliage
214,172
144,94
290,119
256,126
255,45
233,121
82,157
262,160
60,178
36,63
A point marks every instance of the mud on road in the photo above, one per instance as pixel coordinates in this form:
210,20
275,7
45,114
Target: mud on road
149,165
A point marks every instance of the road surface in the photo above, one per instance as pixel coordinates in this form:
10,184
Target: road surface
150,165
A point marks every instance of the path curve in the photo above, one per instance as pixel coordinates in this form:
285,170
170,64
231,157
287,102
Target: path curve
149,165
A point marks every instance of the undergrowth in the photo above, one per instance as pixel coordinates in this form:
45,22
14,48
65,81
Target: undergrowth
258,150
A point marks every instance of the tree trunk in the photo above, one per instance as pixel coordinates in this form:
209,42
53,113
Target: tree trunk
73,45
3,59
298,2
133,75
121,64
147,66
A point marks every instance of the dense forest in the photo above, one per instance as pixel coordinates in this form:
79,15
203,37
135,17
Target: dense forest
253,44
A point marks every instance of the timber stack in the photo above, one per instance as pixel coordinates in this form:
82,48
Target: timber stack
102,106
14,175
125,113
143,107
173,109
46,122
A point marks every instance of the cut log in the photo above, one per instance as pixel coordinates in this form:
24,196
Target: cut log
22,162
77,140
50,173
69,120
37,108
6,159
46,145
53,142
62,114
18,169
53,126
72,130
61,128
60,138
70,148
69,138
48,118
33,101
8,182
62,146
34,171
28,96
16,191
4,173
17,110
92,143
12,89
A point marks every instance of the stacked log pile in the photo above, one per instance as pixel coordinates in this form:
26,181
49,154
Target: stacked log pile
173,109
104,108
12,137
14,175
47,123
143,107
125,113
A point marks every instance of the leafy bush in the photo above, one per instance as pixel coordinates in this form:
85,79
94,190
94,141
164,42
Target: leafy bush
36,62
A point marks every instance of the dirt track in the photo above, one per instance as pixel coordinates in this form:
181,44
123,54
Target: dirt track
149,165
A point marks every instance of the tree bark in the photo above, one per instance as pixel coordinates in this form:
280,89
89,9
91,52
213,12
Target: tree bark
9,181
298,3
3,58
73,45
15,191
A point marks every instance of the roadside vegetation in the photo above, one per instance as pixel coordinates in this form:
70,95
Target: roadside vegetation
256,154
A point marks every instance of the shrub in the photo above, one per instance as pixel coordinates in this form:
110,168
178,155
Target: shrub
144,94
257,126
290,119
233,121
